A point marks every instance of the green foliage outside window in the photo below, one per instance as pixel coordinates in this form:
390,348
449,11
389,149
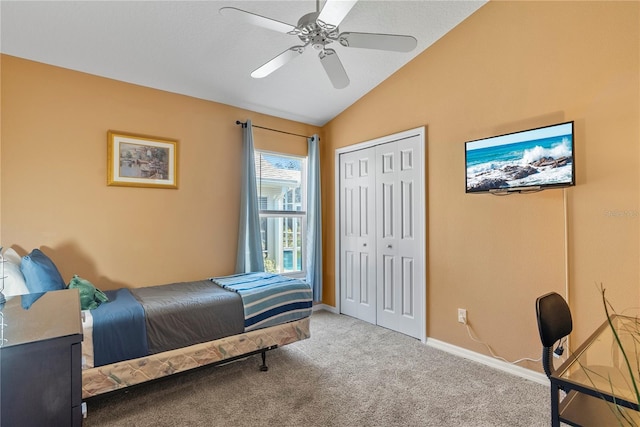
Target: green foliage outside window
270,265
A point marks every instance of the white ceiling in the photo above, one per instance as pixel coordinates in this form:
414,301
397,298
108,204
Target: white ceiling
188,47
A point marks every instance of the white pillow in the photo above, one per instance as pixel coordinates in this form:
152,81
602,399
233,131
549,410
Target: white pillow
14,283
12,256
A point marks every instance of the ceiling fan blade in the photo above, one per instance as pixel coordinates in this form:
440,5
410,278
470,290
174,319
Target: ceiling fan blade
277,62
333,67
334,11
392,42
252,18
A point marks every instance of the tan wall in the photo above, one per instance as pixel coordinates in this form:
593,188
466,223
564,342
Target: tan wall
510,66
53,170
513,66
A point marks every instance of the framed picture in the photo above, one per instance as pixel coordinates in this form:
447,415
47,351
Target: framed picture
141,161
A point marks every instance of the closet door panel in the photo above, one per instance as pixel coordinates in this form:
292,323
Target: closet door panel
398,183
408,287
367,298
406,209
387,285
357,228
410,241
386,225
386,210
350,277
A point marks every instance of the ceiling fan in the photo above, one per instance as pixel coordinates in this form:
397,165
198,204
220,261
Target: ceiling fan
319,29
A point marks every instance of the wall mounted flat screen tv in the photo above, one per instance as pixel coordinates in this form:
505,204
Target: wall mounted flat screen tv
529,160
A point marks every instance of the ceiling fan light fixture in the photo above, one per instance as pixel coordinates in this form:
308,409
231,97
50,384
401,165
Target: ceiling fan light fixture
319,41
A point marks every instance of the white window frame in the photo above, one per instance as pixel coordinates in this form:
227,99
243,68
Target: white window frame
282,214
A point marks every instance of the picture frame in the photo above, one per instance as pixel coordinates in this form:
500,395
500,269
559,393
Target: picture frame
135,160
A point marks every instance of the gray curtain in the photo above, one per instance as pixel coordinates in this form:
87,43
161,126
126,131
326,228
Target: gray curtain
314,219
249,256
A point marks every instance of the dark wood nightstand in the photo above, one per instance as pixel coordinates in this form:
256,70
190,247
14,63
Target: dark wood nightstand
40,361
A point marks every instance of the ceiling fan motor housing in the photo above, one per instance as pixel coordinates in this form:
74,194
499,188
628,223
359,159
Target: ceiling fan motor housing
310,32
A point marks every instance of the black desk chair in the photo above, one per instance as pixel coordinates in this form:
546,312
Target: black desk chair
576,409
554,323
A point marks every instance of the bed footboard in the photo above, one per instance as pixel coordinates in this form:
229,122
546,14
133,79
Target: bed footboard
119,375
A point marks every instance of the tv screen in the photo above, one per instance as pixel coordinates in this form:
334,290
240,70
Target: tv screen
528,160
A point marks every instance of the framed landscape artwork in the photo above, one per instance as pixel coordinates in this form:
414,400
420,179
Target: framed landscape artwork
141,161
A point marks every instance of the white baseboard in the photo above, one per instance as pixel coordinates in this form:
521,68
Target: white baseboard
519,371
325,307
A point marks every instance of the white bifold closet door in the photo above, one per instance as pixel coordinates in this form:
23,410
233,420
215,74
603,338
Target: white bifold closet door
382,275
357,234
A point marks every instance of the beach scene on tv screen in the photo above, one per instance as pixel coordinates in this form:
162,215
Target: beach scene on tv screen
538,157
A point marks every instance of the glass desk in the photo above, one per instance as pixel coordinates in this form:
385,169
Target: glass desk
600,388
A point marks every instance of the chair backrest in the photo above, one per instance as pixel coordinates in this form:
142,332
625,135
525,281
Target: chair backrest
554,323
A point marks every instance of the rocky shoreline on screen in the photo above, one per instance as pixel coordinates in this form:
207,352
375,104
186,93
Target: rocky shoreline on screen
512,172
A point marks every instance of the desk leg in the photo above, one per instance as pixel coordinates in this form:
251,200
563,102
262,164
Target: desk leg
555,405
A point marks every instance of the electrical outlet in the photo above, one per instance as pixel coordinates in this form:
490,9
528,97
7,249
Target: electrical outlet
462,316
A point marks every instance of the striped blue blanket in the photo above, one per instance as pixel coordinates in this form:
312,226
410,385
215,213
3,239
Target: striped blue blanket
269,299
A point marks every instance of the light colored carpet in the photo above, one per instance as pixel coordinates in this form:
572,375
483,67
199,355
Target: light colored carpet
349,373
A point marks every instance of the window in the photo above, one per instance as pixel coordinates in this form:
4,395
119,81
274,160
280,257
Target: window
281,181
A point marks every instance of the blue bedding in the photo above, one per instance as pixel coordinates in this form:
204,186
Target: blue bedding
119,331
145,321
269,299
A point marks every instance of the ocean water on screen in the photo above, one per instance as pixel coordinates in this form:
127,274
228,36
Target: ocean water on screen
488,162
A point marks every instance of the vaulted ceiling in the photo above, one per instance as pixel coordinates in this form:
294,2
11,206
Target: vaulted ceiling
189,47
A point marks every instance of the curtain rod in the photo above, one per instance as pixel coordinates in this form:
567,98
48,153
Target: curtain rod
244,124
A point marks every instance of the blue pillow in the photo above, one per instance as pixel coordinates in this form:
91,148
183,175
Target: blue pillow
27,299
41,275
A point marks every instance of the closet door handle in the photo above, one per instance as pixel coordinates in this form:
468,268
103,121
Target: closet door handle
389,246
364,244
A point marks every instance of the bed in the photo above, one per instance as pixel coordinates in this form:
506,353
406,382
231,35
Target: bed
147,333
